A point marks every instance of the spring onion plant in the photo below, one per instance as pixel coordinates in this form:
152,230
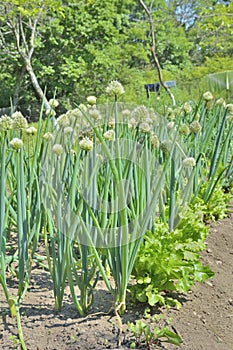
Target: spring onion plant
3,217
19,207
205,131
6,124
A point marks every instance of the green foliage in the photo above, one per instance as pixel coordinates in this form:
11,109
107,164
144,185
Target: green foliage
81,47
100,46
216,207
213,29
192,81
170,261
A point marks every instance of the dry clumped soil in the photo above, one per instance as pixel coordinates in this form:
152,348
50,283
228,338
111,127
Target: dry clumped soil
204,322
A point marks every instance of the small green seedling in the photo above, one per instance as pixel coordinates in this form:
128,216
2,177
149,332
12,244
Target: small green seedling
148,337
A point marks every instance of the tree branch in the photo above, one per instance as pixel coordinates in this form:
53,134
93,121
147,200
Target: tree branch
23,35
154,56
25,45
33,32
16,34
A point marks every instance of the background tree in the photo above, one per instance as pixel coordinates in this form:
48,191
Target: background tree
73,49
212,32
21,20
96,43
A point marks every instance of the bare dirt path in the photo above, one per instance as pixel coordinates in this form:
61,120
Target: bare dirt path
206,319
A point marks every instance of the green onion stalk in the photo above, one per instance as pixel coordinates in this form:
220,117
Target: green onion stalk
218,161
12,301
3,176
56,242
22,227
34,205
80,255
22,235
3,218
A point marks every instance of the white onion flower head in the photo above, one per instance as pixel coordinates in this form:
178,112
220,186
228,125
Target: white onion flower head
132,123
177,111
83,107
63,120
169,110
140,113
86,144
115,88
111,123
166,145
109,135
197,116
53,103
68,130
50,112
31,130
220,102
91,100
170,125
229,107
145,127
95,113
57,149
154,141
74,114
207,96
195,127
19,122
187,108
48,136
229,118
184,129
189,162
5,123
170,114
16,144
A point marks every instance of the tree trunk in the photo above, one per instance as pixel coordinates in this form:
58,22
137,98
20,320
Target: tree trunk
36,84
154,56
16,96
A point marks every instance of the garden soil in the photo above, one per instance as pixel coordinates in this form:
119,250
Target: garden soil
204,322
